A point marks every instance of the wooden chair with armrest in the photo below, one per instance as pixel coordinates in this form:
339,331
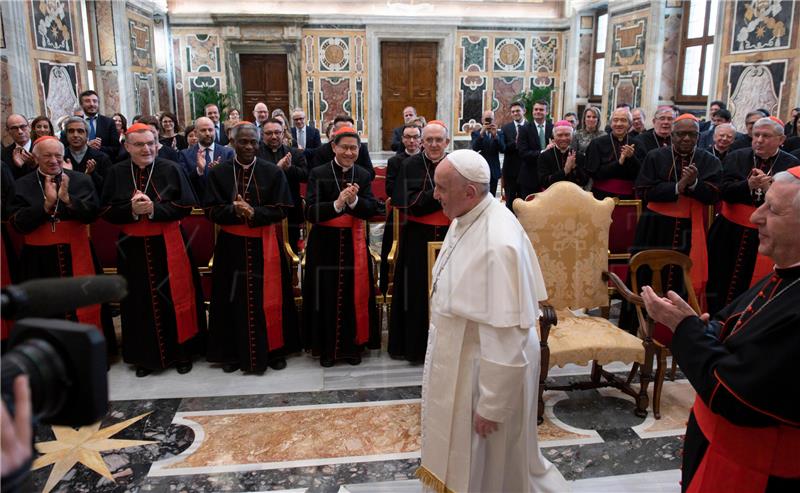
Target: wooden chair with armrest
569,230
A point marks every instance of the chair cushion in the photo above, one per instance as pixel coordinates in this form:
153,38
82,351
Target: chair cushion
579,340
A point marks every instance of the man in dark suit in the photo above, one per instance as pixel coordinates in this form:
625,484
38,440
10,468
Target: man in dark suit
305,136
78,156
103,134
261,115
489,142
512,161
198,159
707,125
324,154
534,138
18,154
409,115
292,162
211,111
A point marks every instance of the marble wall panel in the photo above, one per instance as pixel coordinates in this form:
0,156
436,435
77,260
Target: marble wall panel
754,86
505,92
626,87
474,53
52,25
472,91
141,43
584,65
671,47
162,86
628,43
59,88
6,97
145,93
180,104
543,53
334,97
334,53
196,83
202,53
106,36
509,54
762,25
109,84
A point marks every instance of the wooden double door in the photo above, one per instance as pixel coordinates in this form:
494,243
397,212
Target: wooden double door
264,78
408,78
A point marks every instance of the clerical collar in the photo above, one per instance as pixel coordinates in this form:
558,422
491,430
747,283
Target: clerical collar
788,273
425,155
344,170
561,151
466,219
764,159
245,166
409,155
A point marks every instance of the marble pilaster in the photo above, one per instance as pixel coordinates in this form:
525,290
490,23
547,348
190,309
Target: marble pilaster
21,73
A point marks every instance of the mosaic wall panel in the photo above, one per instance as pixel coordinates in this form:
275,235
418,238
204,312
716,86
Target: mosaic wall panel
162,86
59,88
626,63
141,43
584,65
52,25
762,25
518,62
145,93
626,87
755,86
671,47
106,42
757,68
109,85
334,76
628,43
473,53
199,57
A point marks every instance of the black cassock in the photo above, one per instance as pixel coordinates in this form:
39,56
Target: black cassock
295,174
393,166
39,260
413,195
238,327
655,184
329,304
743,366
732,246
550,166
648,141
150,336
610,178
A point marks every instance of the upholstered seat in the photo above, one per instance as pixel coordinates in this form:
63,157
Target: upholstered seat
569,230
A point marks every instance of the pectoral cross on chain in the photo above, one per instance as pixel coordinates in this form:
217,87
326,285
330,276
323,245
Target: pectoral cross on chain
759,194
53,221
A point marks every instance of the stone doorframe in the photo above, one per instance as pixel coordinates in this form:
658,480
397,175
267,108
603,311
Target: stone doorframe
445,36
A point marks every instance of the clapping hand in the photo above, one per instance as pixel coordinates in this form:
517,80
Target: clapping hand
21,157
63,190
569,166
688,177
141,204
347,196
626,152
96,143
285,161
242,209
90,166
50,193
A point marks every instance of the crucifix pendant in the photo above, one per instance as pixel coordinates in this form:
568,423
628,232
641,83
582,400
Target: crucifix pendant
53,221
759,193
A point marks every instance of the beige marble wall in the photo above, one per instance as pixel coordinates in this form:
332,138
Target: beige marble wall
626,59
199,59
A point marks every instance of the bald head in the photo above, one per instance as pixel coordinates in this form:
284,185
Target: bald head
18,128
204,128
260,113
435,141
49,156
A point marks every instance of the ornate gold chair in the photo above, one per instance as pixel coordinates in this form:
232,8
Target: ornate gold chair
569,230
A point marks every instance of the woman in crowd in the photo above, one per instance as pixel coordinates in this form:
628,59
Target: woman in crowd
41,126
589,130
191,136
169,132
122,125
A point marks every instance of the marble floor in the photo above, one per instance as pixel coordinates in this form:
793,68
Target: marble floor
332,430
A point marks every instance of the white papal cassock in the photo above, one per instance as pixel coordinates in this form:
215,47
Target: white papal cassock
483,356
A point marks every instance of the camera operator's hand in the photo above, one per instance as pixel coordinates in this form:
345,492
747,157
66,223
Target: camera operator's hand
17,431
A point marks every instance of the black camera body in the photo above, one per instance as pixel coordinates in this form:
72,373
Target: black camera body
66,367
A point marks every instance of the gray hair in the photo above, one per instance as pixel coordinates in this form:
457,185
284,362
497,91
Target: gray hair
36,148
777,128
75,119
786,177
641,111
237,129
725,125
628,114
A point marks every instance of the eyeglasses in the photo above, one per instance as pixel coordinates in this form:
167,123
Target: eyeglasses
682,135
273,132
412,137
17,127
347,148
139,145
298,118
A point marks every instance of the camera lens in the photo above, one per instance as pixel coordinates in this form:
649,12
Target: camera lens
46,374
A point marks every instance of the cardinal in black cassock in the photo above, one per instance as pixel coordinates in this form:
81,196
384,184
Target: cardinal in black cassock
52,207
340,317
421,221
734,264
253,317
163,316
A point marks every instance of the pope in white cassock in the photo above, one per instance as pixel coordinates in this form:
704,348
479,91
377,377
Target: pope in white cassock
481,371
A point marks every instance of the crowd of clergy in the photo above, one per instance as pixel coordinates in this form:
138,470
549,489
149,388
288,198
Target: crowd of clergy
250,176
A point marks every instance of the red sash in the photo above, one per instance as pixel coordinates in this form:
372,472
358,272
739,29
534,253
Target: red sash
272,300
741,458
181,285
689,208
433,219
360,272
740,214
615,186
76,235
5,280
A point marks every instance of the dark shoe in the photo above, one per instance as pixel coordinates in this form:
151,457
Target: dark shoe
230,367
142,372
184,368
278,364
354,360
326,362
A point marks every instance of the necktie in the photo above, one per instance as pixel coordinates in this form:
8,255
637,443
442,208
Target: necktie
216,130
541,135
516,129
208,158
92,131
301,137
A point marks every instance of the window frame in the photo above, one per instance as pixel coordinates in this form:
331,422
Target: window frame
597,98
702,41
